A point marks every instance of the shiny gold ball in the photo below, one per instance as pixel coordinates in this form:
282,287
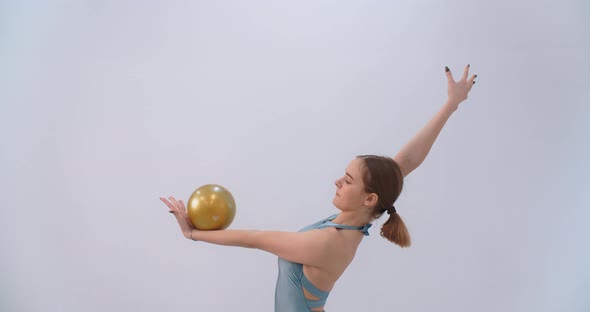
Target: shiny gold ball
211,207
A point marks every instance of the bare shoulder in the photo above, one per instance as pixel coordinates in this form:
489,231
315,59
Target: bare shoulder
314,247
341,245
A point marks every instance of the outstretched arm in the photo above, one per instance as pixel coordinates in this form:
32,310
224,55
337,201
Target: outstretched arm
415,151
310,247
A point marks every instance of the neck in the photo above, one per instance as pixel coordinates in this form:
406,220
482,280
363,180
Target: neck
353,218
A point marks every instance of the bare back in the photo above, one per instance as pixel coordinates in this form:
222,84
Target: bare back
343,248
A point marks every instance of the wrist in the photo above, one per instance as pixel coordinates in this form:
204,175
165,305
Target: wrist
190,234
451,106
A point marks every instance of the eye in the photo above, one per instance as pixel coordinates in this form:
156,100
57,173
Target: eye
347,182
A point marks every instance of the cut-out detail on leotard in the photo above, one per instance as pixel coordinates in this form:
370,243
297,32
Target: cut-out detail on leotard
294,292
309,296
320,295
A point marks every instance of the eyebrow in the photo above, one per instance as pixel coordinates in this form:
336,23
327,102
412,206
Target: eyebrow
348,174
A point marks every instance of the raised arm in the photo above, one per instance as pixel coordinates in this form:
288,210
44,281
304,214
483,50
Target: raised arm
415,151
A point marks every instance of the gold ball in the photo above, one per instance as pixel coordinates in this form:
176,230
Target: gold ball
211,207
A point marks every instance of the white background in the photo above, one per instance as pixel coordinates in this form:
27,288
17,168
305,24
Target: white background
107,105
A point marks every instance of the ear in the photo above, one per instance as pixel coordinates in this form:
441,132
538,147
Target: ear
371,200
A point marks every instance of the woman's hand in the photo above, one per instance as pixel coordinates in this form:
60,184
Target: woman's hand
179,211
458,90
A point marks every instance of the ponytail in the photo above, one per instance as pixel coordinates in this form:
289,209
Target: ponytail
395,231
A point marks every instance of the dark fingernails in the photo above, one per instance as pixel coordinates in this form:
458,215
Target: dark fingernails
171,211
446,69
473,81
475,76
468,65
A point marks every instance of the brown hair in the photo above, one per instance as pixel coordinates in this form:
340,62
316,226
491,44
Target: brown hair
383,176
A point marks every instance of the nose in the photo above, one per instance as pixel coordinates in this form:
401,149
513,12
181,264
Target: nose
337,183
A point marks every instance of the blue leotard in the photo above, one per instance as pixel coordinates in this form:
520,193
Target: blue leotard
289,295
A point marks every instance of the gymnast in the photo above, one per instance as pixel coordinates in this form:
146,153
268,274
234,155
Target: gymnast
312,260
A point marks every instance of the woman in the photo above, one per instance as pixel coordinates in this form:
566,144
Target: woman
312,260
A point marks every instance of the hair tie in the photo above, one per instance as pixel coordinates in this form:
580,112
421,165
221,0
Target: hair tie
391,210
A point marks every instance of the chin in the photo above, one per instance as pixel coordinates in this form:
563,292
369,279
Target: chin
335,205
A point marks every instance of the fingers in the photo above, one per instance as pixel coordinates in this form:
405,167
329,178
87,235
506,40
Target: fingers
172,206
167,203
182,208
173,200
449,74
471,81
463,78
465,72
179,206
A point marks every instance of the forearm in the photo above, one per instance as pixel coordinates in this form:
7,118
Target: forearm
238,238
415,151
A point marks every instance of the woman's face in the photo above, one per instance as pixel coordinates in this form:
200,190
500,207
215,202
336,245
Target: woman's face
350,189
